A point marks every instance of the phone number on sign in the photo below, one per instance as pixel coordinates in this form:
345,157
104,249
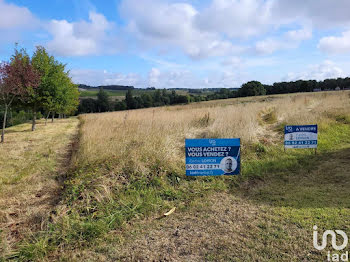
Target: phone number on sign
201,167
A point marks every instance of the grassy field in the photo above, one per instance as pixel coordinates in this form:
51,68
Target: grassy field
32,169
129,167
94,92
120,94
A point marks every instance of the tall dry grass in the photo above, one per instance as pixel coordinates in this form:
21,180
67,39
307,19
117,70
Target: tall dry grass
153,137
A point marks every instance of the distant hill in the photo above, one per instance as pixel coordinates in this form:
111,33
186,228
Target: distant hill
107,87
125,88
203,90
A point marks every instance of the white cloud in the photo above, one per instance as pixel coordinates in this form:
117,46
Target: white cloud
210,32
336,45
226,79
161,62
268,46
157,78
288,40
225,34
298,35
103,77
153,77
82,38
232,62
320,14
169,26
327,69
175,79
14,17
14,21
236,18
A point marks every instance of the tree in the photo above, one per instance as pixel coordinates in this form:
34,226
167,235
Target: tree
70,99
252,88
50,73
181,99
157,98
17,80
103,103
120,105
147,100
56,92
67,99
130,101
173,97
87,105
224,93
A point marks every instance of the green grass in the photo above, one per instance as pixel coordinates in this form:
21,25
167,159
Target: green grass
94,92
295,187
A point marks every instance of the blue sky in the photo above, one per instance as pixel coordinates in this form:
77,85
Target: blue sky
192,44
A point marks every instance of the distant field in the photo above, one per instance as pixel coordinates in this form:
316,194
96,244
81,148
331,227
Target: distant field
93,92
129,169
121,93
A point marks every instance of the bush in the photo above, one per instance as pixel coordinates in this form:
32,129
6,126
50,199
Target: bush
20,117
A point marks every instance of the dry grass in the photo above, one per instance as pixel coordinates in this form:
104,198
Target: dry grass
29,184
142,135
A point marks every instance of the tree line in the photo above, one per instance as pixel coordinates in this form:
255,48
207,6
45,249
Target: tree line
34,86
152,99
308,86
157,97
107,87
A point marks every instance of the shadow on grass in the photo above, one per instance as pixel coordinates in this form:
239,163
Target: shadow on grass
11,131
313,182
26,127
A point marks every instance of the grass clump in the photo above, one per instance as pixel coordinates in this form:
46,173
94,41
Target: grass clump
270,117
203,121
343,119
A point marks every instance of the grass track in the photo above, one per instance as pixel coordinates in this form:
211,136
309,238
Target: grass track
31,166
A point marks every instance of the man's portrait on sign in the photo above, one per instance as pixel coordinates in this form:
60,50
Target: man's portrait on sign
228,164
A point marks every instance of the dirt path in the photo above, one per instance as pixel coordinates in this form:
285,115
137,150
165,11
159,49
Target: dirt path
32,165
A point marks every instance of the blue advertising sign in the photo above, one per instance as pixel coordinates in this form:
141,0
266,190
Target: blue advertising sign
213,157
300,136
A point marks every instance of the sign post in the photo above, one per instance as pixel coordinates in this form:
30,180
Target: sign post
300,137
213,157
